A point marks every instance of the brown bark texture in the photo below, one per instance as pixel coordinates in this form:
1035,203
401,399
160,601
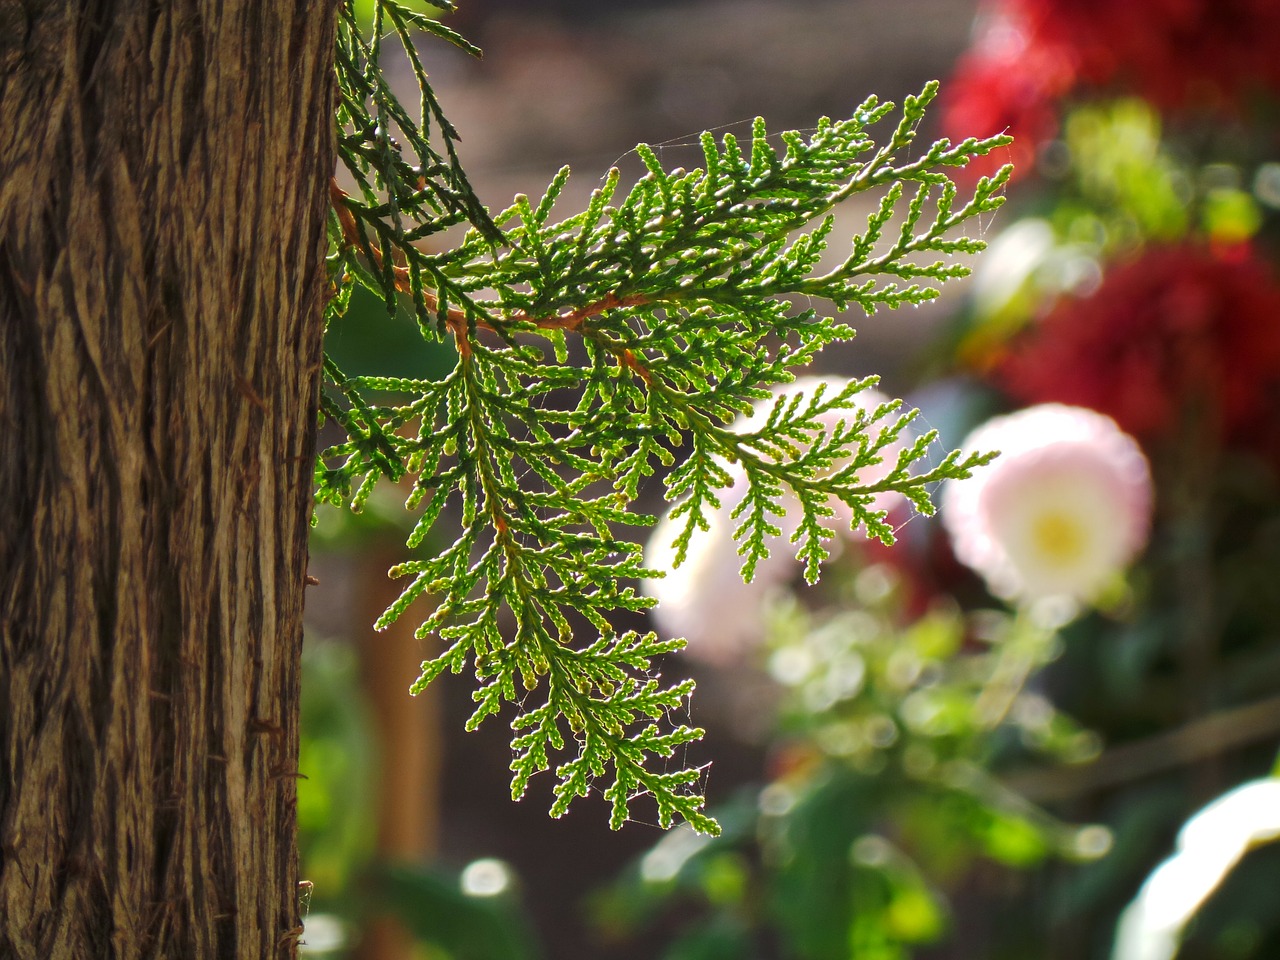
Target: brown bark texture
163,183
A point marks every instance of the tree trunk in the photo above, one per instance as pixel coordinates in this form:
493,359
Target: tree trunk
163,184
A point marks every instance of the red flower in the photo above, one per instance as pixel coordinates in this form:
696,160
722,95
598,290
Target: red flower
1175,330
1008,84
1178,54
1181,55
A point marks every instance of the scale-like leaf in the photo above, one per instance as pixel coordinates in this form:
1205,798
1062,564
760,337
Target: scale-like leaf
595,351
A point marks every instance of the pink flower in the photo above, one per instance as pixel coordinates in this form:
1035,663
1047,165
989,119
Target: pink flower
1061,512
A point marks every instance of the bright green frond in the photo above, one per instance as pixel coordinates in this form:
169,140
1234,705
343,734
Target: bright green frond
596,351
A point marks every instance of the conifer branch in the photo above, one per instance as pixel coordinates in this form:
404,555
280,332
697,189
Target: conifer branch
661,315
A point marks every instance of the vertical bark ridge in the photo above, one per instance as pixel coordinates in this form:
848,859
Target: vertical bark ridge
163,178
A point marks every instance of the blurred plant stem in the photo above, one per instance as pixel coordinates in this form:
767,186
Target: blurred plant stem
1027,646
1188,745
1194,461
408,740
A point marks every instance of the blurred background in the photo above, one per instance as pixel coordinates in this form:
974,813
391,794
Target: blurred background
1042,726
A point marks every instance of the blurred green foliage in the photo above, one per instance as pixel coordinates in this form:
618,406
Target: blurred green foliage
890,728
433,908
336,799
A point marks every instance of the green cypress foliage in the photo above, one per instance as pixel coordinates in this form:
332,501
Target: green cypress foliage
595,350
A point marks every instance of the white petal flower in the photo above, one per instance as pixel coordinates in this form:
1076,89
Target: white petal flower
704,599
1062,510
1209,845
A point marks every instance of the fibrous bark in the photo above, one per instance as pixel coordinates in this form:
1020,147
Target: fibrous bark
163,176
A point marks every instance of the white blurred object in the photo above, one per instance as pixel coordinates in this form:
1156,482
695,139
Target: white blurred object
1209,845
323,933
1063,509
704,599
1025,265
486,877
1009,262
665,861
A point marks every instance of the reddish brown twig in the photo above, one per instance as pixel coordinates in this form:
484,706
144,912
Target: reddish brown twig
628,360
456,320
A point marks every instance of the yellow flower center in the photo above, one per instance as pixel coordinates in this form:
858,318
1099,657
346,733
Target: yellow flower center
1058,537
